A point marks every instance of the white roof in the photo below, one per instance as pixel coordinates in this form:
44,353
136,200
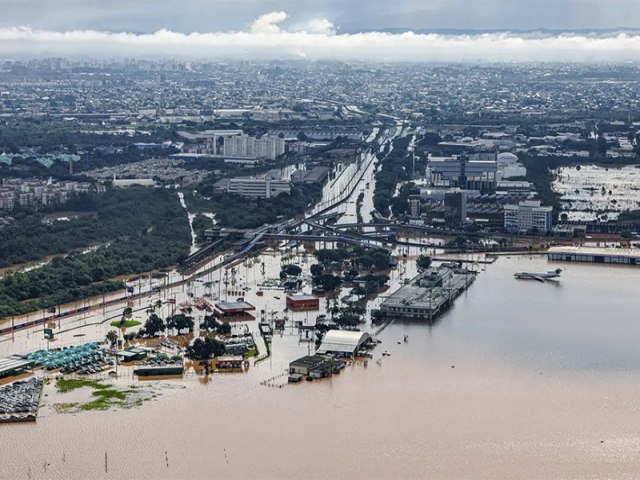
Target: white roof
342,341
507,156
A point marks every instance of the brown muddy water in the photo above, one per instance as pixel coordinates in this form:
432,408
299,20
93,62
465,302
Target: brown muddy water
518,380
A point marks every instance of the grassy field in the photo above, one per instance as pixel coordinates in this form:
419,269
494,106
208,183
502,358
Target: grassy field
125,324
104,395
66,385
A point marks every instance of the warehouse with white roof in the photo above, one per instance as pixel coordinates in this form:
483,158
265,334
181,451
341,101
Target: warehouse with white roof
343,343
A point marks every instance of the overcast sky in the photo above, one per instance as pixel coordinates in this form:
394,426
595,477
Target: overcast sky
352,15
319,28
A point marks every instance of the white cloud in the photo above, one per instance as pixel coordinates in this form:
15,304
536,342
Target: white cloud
268,23
318,25
317,39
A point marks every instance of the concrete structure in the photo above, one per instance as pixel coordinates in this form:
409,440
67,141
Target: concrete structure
176,368
528,216
26,192
245,146
312,366
455,208
208,134
343,343
461,171
253,187
131,354
414,205
315,175
234,311
509,166
14,365
428,294
231,362
614,256
303,303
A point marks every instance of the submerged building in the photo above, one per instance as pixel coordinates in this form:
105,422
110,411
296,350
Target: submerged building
343,343
428,294
313,366
613,256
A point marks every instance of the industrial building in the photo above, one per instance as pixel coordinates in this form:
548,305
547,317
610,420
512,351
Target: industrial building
152,370
253,187
463,171
303,303
14,365
315,175
313,366
131,354
510,167
343,343
612,256
231,362
428,293
234,311
527,216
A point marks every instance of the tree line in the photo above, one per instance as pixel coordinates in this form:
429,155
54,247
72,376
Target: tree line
148,231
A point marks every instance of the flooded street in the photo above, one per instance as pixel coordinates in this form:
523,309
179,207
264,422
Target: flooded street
593,192
518,380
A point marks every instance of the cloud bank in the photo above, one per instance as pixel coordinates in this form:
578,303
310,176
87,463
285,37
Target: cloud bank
319,39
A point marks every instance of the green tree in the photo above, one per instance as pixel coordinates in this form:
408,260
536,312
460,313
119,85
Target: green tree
154,325
316,269
380,260
181,323
205,349
423,262
112,337
293,270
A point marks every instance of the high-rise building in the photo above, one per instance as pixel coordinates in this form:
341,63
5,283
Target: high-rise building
414,205
528,216
246,146
455,208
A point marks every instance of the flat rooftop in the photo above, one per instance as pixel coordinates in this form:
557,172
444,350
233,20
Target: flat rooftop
299,298
594,251
234,306
13,362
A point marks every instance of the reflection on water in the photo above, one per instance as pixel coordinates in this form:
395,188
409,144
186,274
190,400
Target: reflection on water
518,380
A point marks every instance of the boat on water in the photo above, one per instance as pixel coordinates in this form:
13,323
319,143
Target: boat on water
539,276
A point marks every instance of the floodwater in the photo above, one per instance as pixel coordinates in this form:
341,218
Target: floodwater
520,379
595,192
